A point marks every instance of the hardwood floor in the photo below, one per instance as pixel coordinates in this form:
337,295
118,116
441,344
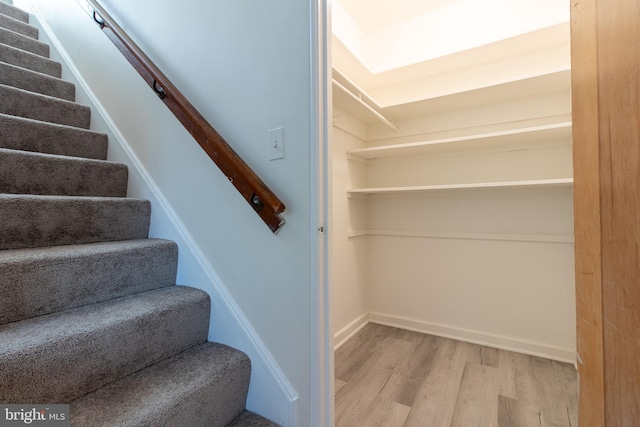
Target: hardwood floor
396,378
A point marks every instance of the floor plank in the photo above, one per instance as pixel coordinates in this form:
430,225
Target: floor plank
396,378
437,396
359,348
515,413
477,403
367,381
405,383
385,413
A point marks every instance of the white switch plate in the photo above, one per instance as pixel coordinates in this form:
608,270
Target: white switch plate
276,144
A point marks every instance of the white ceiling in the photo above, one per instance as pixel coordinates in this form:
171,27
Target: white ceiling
374,15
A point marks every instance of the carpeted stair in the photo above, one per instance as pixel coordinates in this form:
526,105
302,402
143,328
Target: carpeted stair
89,311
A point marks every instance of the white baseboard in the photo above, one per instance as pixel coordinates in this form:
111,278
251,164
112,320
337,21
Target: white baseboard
270,393
477,337
350,330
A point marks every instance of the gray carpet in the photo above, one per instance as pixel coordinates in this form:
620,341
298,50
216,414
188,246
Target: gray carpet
29,61
89,311
18,133
18,77
19,41
48,174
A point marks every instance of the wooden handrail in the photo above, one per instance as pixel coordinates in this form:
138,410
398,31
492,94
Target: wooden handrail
253,190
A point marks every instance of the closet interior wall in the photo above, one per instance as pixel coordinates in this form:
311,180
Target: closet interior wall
459,223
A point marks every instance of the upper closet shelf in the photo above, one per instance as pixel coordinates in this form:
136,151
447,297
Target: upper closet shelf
517,138
545,183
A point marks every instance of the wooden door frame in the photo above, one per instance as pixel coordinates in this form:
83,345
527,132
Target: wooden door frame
605,42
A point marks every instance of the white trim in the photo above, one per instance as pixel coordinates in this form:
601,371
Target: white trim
186,243
511,237
344,334
477,337
321,363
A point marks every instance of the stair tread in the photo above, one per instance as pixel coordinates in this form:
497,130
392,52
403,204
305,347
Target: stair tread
36,82
43,220
73,199
22,103
18,26
23,42
79,321
29,61
21,133
39,281
66,251
61,157
161,394
14,12
64,355
249,419
25,172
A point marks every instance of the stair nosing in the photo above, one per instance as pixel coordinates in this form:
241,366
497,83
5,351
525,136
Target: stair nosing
222,358
16,9
22,23
97,162
31,93
6,254
17,328
35,56
45,197
29,119
29,40
118,318
38,73
84,112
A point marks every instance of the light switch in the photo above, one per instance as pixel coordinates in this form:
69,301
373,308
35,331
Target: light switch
276,144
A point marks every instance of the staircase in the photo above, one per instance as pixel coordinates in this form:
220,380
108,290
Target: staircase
89,314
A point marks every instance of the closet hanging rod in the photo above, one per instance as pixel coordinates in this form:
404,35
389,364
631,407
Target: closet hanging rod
358,99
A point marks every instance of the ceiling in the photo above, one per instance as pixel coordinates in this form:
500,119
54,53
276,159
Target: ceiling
375,15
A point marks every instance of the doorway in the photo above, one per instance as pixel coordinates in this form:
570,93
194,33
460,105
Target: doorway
452,180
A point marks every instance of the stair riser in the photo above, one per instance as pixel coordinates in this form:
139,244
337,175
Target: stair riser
17,133
218,403
21,78
29,173
94,345
18,26
36,282
14,12
23,42
21,103
29,61
31,221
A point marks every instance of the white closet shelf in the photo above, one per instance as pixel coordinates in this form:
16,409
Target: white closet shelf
498,236
524,137
426,102
544,183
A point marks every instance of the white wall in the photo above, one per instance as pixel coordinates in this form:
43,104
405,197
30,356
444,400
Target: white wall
349,264
247,67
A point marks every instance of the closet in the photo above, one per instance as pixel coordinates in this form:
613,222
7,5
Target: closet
452,197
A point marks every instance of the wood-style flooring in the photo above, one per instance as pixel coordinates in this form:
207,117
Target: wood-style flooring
396,378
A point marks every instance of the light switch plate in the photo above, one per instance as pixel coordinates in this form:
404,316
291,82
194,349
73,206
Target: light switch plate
276,144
